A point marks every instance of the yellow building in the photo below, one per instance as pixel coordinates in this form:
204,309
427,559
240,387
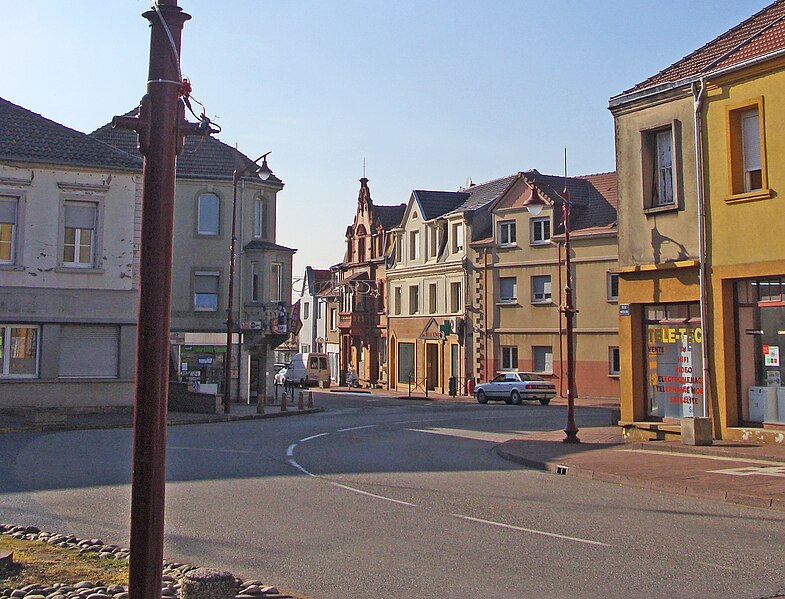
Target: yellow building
694,246
518,283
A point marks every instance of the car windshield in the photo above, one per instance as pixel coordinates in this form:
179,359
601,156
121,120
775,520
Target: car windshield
500,378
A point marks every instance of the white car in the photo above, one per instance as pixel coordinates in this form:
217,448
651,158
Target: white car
280,376
514,387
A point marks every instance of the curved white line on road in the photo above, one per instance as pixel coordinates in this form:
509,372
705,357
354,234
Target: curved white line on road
313,437
355,428
339,485
290,450
293,463
532,531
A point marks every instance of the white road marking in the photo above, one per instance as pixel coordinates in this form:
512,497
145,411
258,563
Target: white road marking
701,456
777,471
290,450
313,437
292,462
348,488
470,434
532,531
355,428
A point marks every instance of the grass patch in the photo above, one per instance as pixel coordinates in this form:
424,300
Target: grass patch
38,562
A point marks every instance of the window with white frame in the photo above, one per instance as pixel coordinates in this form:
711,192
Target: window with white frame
542,359
397,293
208,214
305,348
8,217
206,291
457,237
259,217
508,289
414,242
277,280
541,289
19,345
614,363
414,299
752,161
540,230
613,286
509,358
79,222
455,297
432,298
507,235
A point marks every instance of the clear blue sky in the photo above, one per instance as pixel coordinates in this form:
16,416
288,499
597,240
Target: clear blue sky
428,93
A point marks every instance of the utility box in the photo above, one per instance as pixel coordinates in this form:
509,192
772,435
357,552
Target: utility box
696,431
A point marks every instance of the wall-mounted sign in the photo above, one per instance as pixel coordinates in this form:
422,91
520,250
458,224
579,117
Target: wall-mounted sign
624,309
754,331
771,355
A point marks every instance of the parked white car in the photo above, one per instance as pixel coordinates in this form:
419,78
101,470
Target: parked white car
514,387
280,376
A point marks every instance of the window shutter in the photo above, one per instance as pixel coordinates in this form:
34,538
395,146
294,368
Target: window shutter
90,351
8,211
80,216
206,283
751,138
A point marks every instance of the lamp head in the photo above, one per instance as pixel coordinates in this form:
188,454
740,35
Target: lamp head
264,170
535,203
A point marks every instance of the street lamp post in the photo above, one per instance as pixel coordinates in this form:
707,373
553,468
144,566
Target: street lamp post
535,205
263,172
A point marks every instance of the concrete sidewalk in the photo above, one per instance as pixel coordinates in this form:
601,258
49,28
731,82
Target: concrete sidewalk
745,474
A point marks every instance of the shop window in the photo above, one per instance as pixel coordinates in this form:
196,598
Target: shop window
208,214
509,358
8,225
747,149
540,230
508,289
19,345
541,289
661,155
507,233
760,309
542,359
674,363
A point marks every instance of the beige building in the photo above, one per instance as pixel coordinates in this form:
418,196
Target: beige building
518,277
429,341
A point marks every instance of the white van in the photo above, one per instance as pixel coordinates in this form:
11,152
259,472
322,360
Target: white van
309,370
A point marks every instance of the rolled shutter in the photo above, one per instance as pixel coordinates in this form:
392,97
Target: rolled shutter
90,351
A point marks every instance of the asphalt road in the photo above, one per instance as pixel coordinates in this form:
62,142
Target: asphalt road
395,498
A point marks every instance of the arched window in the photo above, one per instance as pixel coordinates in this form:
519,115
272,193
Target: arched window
208,214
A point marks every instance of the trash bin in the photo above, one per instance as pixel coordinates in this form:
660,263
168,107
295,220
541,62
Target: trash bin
453,386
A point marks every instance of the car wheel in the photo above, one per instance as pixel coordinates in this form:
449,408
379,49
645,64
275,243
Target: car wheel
545,401
508,400
515,397
481,396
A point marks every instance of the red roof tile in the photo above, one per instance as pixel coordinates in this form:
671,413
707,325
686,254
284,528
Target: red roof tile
761,34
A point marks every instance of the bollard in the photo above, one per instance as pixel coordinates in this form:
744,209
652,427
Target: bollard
310,399
260,401
206,583
284,401
300,402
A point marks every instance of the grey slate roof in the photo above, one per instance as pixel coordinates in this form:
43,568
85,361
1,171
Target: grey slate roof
258,244
389,216
29,137
438,203
202,158
483,193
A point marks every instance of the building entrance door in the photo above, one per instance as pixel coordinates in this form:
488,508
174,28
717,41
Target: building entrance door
431,366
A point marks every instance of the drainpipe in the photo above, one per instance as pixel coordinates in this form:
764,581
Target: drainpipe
698,94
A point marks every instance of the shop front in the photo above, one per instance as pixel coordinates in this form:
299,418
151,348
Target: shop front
760,339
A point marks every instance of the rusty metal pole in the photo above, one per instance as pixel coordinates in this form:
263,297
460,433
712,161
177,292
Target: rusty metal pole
571,431
160,127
